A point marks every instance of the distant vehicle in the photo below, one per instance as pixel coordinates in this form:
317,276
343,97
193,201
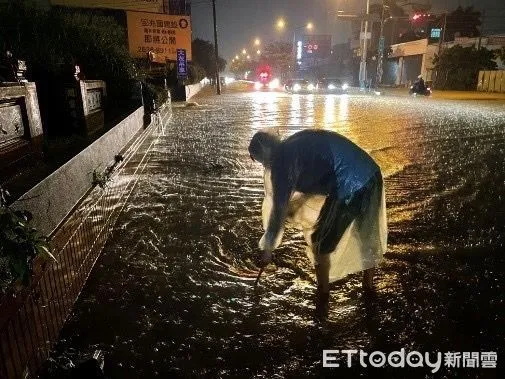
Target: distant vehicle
265,79
332,85
420,88
414,91
300,86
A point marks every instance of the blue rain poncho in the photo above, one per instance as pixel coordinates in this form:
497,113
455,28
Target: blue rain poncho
325,185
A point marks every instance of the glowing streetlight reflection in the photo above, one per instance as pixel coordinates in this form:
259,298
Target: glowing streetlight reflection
343,109
329,111
295,112
309,109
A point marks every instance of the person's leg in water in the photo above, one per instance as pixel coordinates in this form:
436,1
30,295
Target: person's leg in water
334,218
322,268
367,284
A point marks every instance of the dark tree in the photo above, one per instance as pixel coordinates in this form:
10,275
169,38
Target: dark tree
279,55
465,22
242,65
458,67
203,56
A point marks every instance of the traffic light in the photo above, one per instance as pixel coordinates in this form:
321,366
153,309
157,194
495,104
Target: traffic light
421,16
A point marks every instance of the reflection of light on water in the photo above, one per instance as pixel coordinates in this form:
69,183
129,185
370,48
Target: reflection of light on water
294,113
343,109
265,109
329,110
256,106
310,111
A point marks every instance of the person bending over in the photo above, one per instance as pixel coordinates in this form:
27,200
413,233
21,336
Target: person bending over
333,190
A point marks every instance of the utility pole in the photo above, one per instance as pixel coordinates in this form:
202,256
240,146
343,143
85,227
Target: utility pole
442,37
441,41
378,79
362,71
481,29
218,81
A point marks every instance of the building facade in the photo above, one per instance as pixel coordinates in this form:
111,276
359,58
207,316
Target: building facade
408,60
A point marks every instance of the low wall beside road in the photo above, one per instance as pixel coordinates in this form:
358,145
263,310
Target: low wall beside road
491,81
193,89
51,200
79,217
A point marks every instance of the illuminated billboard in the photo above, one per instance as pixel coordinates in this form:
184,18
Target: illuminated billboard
158,33
316,46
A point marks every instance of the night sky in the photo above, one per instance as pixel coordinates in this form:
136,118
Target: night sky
240,21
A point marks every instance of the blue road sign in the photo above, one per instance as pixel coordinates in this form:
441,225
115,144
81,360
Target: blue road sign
182,64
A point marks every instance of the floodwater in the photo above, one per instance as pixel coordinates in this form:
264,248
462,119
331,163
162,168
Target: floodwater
172,294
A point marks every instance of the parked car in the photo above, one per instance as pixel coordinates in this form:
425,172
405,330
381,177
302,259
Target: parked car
332,85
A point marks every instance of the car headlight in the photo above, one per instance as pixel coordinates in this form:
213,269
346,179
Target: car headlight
297,87
274,84
310,87
331,86
345,86
257,86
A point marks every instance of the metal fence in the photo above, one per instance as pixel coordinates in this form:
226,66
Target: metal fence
31,321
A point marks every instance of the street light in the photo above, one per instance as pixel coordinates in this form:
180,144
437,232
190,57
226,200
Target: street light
237,57
257,42
244,51
310,26
258,52
281,23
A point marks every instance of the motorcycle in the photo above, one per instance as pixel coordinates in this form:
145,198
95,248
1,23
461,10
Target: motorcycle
414,91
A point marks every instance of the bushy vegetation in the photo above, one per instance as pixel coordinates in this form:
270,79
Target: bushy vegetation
458,67
20,245
53,41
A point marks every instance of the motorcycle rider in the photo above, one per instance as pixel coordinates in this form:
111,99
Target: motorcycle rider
419,86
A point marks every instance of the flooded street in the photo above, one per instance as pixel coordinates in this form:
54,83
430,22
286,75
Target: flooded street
172,294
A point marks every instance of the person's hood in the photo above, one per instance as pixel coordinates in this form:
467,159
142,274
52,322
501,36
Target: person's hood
262,146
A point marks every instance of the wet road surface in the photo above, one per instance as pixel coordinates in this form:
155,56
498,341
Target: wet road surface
172,294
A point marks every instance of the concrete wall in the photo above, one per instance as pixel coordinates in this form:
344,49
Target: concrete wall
491,81
53,199
409,48
193,89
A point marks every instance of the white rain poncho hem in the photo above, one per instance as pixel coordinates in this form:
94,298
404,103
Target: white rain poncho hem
361,246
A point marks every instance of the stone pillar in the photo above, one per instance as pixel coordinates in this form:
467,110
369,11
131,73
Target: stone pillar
20,123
